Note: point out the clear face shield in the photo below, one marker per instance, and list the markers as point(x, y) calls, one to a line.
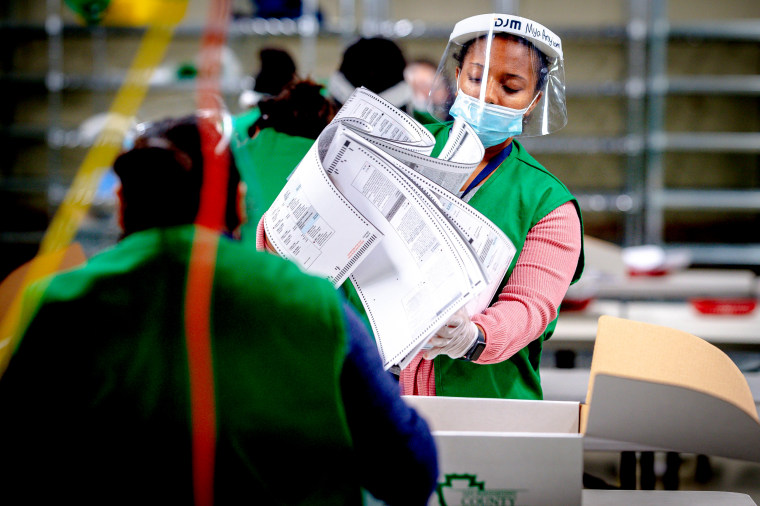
point(503, 75)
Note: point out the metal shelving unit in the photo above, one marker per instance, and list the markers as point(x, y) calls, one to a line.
point(643, 200)
point(660, 85)
point(630, 145)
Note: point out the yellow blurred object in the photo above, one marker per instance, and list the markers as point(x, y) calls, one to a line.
point(99, 157)
point(11, 288)
point(144, 12)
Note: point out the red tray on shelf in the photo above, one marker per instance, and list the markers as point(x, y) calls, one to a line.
point(724, 306)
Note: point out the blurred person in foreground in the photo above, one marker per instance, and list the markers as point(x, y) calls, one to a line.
point(96, 401)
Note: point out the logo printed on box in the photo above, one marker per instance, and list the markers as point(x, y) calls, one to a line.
point(466, 490)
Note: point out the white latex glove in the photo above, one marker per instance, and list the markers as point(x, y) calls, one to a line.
point(454, 338)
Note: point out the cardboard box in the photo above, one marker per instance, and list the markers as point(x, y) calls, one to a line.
point(655, 386)
point(650, 388)
point(496, 451)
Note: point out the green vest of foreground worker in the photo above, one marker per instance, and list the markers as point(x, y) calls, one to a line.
point(265, 162)
point(111, 335)
point(517, 196)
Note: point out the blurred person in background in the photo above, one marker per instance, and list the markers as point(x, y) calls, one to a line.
point(276, 142)
point(420, 74)
point(276, 70)
point(377, 64)
point(273, 145)
point(96, 400)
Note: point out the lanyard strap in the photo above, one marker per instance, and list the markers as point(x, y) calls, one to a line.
point(492, 165)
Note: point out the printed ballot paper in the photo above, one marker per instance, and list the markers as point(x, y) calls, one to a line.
point(368, 203)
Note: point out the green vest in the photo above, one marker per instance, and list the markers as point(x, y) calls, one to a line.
point(102, 378)
point(243, 121)
point(265, 162)
point(517, 196)
point(424, 117)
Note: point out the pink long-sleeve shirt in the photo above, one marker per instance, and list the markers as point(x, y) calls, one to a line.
point(529, 301)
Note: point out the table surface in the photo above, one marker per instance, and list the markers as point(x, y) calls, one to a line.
point(682, 284)
point(581, 326)
point(572, 384)
point(663, 498)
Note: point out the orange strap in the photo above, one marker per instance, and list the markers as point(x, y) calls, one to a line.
point(211, 214)
point(200, 279)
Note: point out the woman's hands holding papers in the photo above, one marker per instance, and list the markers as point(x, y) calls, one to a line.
point(455, 338)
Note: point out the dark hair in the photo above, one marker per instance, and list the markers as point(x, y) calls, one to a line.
point(542, 71)
point(162, 176)
point(375, 63)
point(299, 110)
point(276, 71)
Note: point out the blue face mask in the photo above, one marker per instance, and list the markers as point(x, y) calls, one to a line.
point(494, 124)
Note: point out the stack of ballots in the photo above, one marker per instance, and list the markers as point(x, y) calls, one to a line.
point(369, 203)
